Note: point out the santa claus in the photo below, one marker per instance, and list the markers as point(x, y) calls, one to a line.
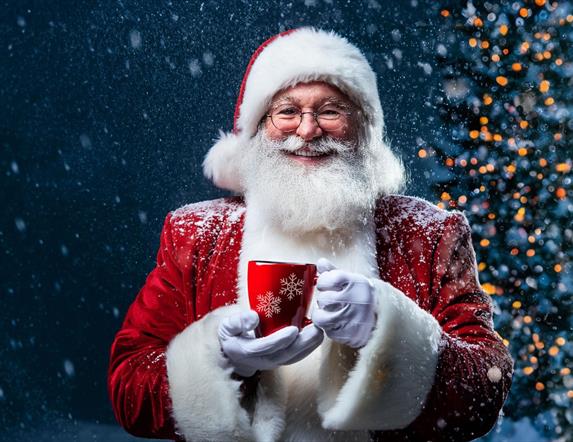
point(402, 345)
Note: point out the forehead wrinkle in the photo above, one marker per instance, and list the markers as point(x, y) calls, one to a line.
point(288, 98)
point(330, 99)
point(338, 101)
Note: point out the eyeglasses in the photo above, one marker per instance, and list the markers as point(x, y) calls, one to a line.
point(329, 118)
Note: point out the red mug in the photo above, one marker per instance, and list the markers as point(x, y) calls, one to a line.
point(280, 293)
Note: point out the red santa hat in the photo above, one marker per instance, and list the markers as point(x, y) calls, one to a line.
point(284, 60)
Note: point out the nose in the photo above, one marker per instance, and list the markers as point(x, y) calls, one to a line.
point(309, 128)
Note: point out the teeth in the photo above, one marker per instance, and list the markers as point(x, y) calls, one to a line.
point(308, 154)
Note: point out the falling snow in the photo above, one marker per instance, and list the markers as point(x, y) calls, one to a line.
point(195, 68)
point(20, 224)
point(69, 368)
point(426, 67)
point(494, 374)
point(85, 141)
point(208, 59)
point(142, 216)
point(135, 39)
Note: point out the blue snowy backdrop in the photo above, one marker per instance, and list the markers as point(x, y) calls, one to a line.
point(108, 108)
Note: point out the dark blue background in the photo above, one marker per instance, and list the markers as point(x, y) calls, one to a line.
point(107, 110)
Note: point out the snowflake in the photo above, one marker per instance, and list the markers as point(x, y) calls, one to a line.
point(291, 286)
point(269, 304)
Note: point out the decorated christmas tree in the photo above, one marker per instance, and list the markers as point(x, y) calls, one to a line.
point(506, 116)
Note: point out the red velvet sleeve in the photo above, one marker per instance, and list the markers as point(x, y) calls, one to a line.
point(137, 376)
point(474, 370)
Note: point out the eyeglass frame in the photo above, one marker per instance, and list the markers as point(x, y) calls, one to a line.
point(314, 114)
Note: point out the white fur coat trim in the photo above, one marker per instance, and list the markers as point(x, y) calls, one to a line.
point(204, 396)
point(384, 385)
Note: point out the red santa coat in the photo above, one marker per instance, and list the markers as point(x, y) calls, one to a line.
point(434, 368)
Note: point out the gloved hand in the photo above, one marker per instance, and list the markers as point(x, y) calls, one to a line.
point(248, 354)
point(346, 305)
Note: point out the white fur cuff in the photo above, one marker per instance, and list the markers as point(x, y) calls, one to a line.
point(205, 398)
point(388, 384)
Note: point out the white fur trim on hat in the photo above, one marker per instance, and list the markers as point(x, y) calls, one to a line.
point(304, 55)
point(221, 165)
point(307, 55)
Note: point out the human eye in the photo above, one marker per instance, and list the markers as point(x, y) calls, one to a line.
point(330, 112)
point(286, 112)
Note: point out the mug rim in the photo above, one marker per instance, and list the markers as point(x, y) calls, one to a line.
point(265, 261)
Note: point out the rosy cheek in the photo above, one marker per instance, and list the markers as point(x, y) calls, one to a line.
point(345, 132)
point(349, 131)
point(275, 134)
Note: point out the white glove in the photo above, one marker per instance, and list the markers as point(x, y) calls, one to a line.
point(248, 354)
point(346, 305)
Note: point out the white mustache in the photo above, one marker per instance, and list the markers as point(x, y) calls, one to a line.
point(320, 146)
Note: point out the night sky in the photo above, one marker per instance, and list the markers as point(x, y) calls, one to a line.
point(107, 110)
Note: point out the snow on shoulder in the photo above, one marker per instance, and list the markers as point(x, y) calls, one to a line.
point(206, 218)
point(416, 213)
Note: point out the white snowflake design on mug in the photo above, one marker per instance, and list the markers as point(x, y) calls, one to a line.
point(291, 286)
point(269, 304)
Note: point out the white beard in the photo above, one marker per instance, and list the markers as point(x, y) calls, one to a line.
point(338, 194)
